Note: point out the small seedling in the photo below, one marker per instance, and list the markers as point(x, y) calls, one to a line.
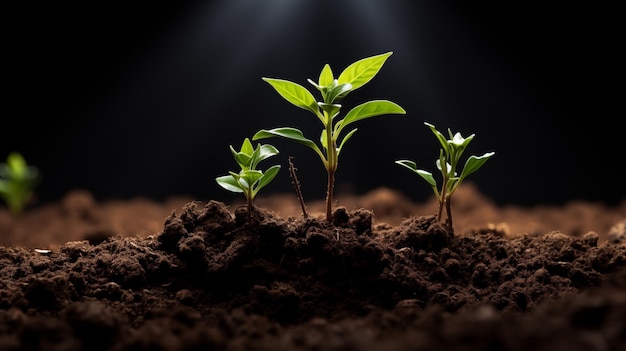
point(249, 180)
point(17, 182)
point(333, 90)
point(449, 156)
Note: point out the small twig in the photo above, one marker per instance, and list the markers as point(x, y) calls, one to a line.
point(296, 185)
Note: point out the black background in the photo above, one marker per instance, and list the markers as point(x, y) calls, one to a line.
point(143, 98)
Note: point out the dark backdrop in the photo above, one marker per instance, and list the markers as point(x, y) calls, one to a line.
point(143, 98)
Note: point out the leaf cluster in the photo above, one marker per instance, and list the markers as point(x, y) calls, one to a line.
point(17, 182)
point(249, 180)
point(332, 91)
point(448, 162)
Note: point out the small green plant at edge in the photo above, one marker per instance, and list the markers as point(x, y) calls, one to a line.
point(333, 90)
point(449, 156)
point(17, 182)
point(249, 180)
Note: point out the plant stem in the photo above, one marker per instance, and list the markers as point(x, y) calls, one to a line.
point(329, 196)
point(443, 198)
point(250, 204)
point(449, 211)
point(331, 150)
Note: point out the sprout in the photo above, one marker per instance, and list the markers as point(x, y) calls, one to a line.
point(249, 180)
point(449, 156)
point(17, 182)
point(333, 90)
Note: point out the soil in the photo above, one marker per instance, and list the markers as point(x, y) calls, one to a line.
point(385, 275)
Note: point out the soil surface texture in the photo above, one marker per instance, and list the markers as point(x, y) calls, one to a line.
point(384, 275)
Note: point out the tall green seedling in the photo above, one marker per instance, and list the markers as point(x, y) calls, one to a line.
point(249, 180)
point(17, 182)
point(327, 110)
point(447, 163)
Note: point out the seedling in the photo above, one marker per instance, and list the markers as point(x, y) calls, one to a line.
point(17, 182)
point(249, 180)
point(333, 90)
point(449, 156)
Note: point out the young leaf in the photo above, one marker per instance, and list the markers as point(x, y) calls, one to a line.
point(267, 151)
point(371, 109)
point(326, 76)
point(250, 176)
point(242, 159)
point(474, 163)
point(267, 177)
point(294, 93)
point(229, 183)
point(350, 133)
point(408, 164)
point(338, 92)
point(246, 147)
point(332, 110)
point(424, 174)
point(17, 181)
point(442, 139)
point(362, 71)
point(286, 132)
point(429, 178)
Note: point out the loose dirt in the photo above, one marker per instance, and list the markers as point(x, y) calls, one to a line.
point(384, 275)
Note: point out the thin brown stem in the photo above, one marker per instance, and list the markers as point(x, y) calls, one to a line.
point(449, 212)
point(296, 185)
point(250, 208)
point(442, 199)
point(329, 196)
point(331, 169)
point(440, 210)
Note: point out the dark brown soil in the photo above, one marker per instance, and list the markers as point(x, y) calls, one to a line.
point(385, 275)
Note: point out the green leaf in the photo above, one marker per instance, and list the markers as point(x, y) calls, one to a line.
point(362, 71)
point(332, 110)
point(442, 139)
point(371, 109)
point(338, 92)
point(17, 164)
point(294, 93)
point(408, 164)
point(267, 177)
point(229, 183)
point(17, 181)
point(250, 176)
point(326, 76)
point(458, 139)
point(285, 132)
point(343, 141)
point(246, 147)
point(242, 159)
point(266, 152)
point(474, 163)
point(428, 177)
point(449, 171)
point(424, 174)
